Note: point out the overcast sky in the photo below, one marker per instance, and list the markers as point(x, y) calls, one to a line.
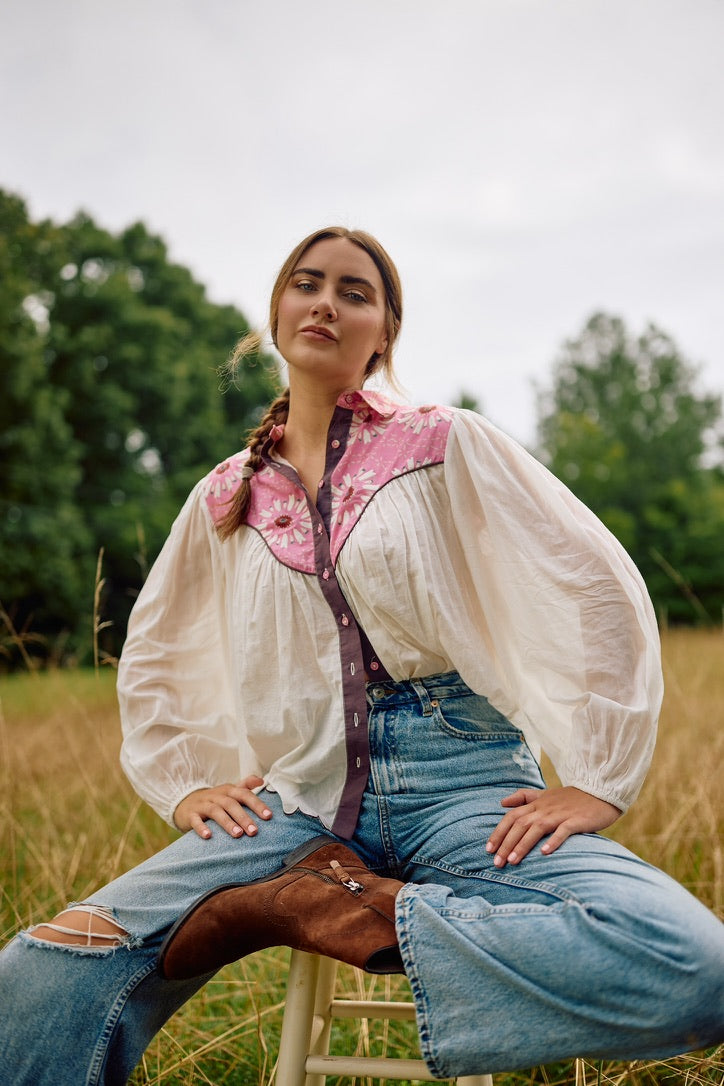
point(525, 162)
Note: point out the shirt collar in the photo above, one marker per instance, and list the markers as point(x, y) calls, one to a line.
point(366, 402)
point(363, 402)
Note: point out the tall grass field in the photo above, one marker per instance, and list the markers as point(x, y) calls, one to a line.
point(71, 822)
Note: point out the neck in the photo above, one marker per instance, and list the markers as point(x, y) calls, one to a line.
point(310, 412)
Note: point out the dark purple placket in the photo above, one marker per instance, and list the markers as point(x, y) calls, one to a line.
point(356, 653)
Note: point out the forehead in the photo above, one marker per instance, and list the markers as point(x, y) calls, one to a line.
point(340, 256)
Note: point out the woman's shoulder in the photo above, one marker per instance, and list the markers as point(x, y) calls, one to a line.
point(220, 484)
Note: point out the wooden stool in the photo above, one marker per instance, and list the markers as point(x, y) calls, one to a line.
point(304, 1058)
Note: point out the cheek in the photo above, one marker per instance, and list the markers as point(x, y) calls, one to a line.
point(286, 316)
point(377, 330)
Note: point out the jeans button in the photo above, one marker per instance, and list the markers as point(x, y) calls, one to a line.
point(378, 691)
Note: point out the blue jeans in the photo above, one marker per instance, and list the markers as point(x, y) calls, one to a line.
point(588, 951)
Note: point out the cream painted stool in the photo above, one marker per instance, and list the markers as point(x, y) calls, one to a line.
point(304, 1058)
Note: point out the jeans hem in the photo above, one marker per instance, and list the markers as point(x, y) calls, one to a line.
point(403, 921)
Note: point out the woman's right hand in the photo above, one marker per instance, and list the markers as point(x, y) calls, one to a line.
point(225, 804)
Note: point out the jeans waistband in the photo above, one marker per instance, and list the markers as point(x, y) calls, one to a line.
point(446, 684)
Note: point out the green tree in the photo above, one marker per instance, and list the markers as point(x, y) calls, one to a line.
point(625, 427)
point(112, 411)
point(39, 457)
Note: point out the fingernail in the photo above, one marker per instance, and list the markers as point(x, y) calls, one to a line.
point(236, 830)
point(489, 847)
point(512, 857)
point(266, 813)
point(251, 830)
point(498, 861)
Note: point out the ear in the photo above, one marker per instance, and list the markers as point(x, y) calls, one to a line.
point(382, 345)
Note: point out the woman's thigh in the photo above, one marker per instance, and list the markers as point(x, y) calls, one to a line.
point(442, 762)
point(150, 897)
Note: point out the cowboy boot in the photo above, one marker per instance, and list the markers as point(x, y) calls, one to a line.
point(323, 900)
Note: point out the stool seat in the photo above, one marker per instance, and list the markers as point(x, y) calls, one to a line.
point(304, 1057)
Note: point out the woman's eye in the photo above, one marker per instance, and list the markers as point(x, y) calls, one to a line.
point(305, 285)
point(355, 296)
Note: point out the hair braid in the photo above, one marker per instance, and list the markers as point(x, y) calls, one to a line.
point(276, 414)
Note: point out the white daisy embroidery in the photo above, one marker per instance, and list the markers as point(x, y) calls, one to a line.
point(350, 496)
point(365, 429)
point(223, 479)
point(286, 522)
point(423, 418)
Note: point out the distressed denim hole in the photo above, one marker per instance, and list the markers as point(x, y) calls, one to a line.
point(82, 926)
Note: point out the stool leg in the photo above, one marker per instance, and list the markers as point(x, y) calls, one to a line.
point(297, 1021)
point(322, 1022)
point(475, 1080)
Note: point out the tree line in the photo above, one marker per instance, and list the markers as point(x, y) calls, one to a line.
point(111, 410)
point(624, 425)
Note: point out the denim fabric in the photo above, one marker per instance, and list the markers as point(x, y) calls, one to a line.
point(588, 951)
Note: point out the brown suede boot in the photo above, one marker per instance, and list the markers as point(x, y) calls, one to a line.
point(323, 900)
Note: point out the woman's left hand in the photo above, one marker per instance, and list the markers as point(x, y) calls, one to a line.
point(540, 812)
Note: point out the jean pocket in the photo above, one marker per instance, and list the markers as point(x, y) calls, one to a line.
point(471, 716)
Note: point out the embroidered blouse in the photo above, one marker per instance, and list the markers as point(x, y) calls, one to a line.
point(436, 543)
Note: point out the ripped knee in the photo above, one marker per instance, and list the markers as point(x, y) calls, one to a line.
point(82, 925)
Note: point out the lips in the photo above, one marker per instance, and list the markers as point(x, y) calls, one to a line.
point(316, 331)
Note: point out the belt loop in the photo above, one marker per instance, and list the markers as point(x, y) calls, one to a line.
point(421, 691)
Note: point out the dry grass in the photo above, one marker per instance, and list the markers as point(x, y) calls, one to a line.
point(71, 822)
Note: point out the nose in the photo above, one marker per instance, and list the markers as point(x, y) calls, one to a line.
point(323, 305)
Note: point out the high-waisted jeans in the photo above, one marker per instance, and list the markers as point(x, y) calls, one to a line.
point(587, 951)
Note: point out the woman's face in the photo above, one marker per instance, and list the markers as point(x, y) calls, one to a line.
point(331, 317)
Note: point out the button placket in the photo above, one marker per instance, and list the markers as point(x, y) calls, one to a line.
point(353, 680)
point(351, 651)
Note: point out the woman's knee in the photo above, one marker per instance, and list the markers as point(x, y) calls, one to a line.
point(84, 926)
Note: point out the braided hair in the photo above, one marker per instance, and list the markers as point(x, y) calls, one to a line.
point(276, 415)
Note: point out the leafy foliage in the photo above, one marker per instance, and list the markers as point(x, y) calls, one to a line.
point(111, 411)
point(624, 426)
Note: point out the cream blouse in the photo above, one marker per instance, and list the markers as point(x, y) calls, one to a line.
point(447, 545)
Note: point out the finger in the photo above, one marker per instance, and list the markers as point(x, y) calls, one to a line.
point(230, 825)
point(518, 798)
point(252, 781)
point(199, 827)
point(509, 844)
point(250, 800)
point(527, 842)
point(503, 828)
point(555, 840)
point(233, 818)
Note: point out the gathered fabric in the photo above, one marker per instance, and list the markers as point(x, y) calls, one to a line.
point(436, 543)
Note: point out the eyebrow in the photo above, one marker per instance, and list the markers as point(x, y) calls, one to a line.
point(343, 278)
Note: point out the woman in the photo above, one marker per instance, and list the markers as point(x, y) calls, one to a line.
point(369, 620)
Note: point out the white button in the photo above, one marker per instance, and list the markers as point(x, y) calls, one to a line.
point(374, 666)
point(325, 574)
point(345, 620)
point(319, 529)
point(335, 444)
